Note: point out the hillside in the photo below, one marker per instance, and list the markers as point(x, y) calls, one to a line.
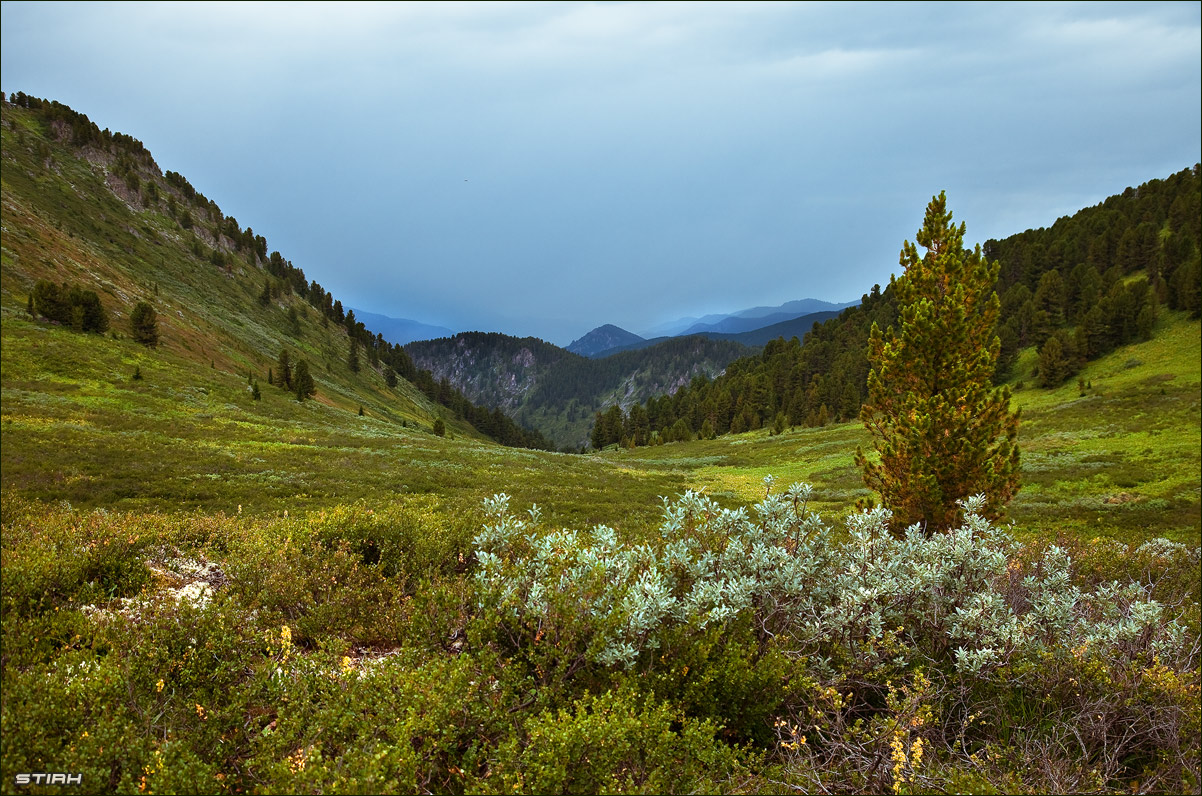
point(1069, 294)
point(92, 209)
point(558, 392)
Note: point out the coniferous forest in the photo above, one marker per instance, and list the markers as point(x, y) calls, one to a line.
point(947, 542)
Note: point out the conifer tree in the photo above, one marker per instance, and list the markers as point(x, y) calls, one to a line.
point(144, 324)
point(942, 433)
point(302, 381)
point(285, 369)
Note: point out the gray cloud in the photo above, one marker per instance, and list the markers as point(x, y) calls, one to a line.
point(545, 168)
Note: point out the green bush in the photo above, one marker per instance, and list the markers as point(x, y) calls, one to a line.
point(617, 742)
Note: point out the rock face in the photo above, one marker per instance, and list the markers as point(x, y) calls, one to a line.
point(603, 338)
point(557, 391)
point(498, 370)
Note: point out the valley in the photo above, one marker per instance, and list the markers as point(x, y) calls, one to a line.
point(369, 614)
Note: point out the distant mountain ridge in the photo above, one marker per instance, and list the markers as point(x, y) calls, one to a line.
point(754, 338)
point(400, 330)
point(721, 322)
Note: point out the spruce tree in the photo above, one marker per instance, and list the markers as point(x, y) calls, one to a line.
point(144, 324)
point(285, 369)
point(941, 432)
point(302, 381)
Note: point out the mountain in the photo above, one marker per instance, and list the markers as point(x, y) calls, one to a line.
point(603, 338)
point(89, 214)
point(401, 330)
point(795, 308)
point(725, 323)
point(793, 327)
point(558, 391)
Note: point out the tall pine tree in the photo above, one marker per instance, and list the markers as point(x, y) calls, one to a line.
point(302, 381)
point(285, 369)
point(942, 433)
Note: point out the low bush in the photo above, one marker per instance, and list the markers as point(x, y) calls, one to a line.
point(902, 638)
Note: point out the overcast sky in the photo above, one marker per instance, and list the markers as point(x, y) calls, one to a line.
point(544, 169)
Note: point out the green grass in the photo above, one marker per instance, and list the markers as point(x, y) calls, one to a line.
point(1121, 462)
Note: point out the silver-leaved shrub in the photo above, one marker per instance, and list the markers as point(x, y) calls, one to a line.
point(867, 595)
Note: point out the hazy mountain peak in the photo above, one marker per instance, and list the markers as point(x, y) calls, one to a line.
point(603, 338)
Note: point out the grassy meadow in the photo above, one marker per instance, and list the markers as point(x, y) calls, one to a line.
point(353, 536)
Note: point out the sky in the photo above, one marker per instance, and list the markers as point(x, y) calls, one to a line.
point(543, 169)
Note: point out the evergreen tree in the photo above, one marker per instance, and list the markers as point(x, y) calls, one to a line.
point(285, 369)
point(254, 391)
point(598, 435)
point(144, 324)
point(942, 433)
point(1056, 361)
point(302, 381)
point(352, 359)
point(49, 302)
point(440, 428)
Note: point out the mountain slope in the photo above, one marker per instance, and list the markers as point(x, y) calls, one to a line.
point(91, 208)
point(1069, 294)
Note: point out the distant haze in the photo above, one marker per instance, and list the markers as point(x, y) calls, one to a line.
point(543, 169)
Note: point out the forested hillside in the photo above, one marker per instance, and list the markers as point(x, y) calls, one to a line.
point(1073, 291)
point(558, 392)
point(90, 219)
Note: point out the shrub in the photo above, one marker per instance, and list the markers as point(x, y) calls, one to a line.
point(958, 615)
point(617, 742)
point(70, 305)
